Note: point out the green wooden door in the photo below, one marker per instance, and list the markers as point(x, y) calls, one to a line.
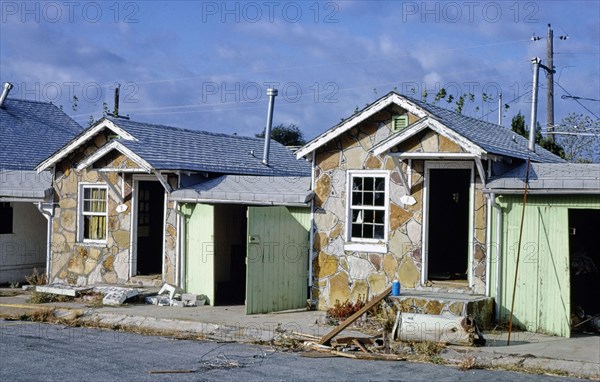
point(277, 259)
point(199, 254)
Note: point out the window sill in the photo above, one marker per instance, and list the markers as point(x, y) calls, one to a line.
point(92, 244)
point(366, 247)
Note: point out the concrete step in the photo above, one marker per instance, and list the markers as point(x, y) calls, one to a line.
point(145, 281)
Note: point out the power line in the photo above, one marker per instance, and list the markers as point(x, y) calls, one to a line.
point(509, 102)
point(577, 100)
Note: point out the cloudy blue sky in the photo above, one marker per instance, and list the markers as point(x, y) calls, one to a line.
point(206, 65)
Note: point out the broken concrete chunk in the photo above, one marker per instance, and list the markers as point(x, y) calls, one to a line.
point(116, 295)
point(189, 299)
point(114, 298)
point(158, 300)
point(172, 289)
point(61, 289)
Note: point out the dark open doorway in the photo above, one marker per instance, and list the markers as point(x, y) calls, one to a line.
point(230, 254)
point(584, 261)
point(150, 227)
point(448, 217)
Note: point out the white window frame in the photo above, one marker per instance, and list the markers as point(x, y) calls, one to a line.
point(363, 244)
point(81, 213)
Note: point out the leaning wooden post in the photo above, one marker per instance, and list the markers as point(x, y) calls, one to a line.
point(327, 338)
point(512, 304)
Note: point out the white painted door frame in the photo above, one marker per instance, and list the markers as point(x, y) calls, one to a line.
point(425, 228)
point(136, 178)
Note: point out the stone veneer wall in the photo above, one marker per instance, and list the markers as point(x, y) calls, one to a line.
point(80, 263)
point(170, 255)
point(344, 275)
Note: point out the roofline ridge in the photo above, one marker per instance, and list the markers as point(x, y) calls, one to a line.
point(32, 101)
point(116, 121)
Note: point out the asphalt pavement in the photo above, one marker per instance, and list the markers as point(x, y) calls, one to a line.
point(43, 352)
point(577, 356)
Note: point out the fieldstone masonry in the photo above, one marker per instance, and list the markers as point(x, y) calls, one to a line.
point(341, 275)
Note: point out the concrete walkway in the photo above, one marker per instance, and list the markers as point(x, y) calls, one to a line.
point(578, 356)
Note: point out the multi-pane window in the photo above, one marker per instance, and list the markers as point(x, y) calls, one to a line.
point(368, 195)
point(93, 213)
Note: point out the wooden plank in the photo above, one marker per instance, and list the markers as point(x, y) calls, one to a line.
point(360, 346)
point(326, 339)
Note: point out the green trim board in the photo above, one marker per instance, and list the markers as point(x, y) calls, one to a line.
point(199, 252)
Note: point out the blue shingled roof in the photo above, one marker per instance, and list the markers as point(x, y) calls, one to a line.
point(30, 131)
point(172, 148)
point(491, 137)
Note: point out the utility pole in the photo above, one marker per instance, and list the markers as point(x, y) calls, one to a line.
point(550, 78)
point(550, 84)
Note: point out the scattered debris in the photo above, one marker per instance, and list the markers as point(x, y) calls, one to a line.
point(175, 298)
point(158, 300)
point(172, 289)
point(585, 322)
point(62, 289)
point(189, 299)
point(445, 328)
point(116, 295)
point(327, 338)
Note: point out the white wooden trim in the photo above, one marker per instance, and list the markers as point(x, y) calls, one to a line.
point(411, 130)
point(481, 171)
point(164, 181)
point(112, 187)
point(433, 124)
point(79, 233)
point(114, 145)
point(123, 170)
point(403, 176)
point(425, 228)
point(81, 139)
point(366, 247)
point(348, 235)
point(164, 236)
point(377, 106)
point(432, 156)
point(136, 178)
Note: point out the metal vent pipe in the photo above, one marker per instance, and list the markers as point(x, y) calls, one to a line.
point(272, 93)
point(5, 91)
point(534, 98)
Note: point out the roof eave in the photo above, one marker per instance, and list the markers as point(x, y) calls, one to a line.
point(82, 138)
point(347, 124)
point(438, 127)
point(115, 145)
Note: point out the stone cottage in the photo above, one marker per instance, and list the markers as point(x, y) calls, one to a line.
point(399, 195)
point(114, 220)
